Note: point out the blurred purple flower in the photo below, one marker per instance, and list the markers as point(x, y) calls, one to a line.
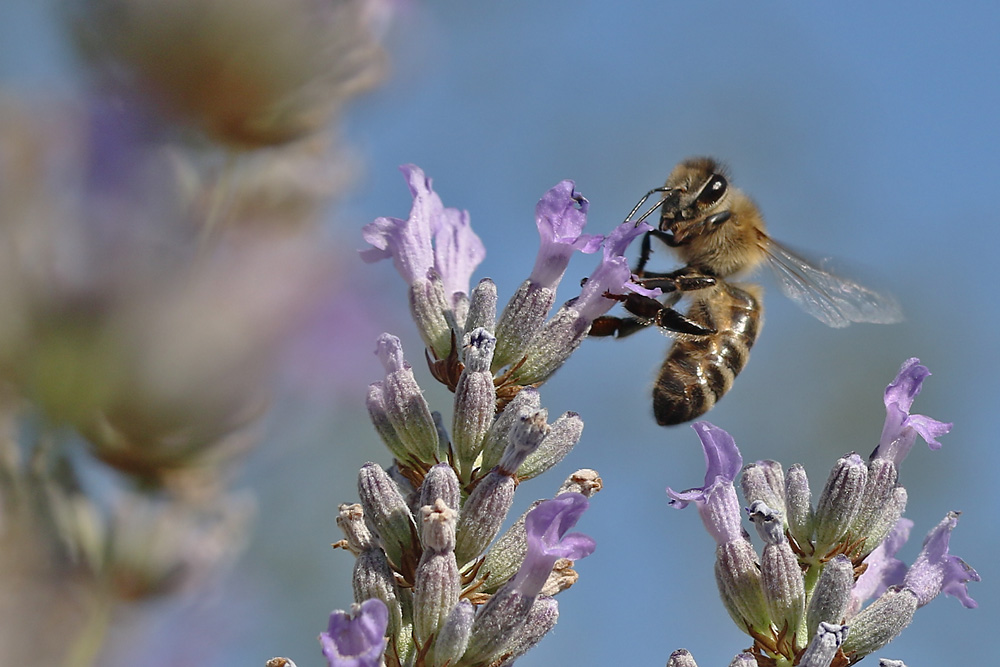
point(560, 215)
point(356, 639)
point(716, 501)
point(249, 73)
point(432, 237)
point(901, 428)
point(548, 541)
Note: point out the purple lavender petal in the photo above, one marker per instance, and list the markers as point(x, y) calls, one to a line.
point(901, 428)
point(356, 639)
point(935, 571)
point(457, 250)
point(716, 501)
point(612, 275)
point(560, 215)
point(545, 528)
point(407, 242)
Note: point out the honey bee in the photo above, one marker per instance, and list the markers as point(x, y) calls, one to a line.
point(718, 232)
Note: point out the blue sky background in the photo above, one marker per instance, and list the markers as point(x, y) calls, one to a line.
point(865, 131)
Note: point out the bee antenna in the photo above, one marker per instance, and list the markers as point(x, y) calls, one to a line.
point(643, 201)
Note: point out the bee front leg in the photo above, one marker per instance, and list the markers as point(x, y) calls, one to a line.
point(646, 250)
point(677, 281)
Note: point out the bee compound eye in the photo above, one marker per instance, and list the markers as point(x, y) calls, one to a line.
point(713, 190)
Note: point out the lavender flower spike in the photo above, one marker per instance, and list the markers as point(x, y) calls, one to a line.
point(716, 500)
point(356, 639)
point(901, 428)
point(455, 253)
point(560, 215)
point(935, 571)
point(548, 541)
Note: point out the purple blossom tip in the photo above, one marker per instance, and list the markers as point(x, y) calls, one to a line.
point(356, 639)
point(546, 529)
point(935, 571)
point(560, 216)
point(723, 462)
point(901, 428)
point(432, 237)
point(613, 275)
point(716, 501)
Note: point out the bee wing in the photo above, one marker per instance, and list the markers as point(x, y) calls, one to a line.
point(833, 300)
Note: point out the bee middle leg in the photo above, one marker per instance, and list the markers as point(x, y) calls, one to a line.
point(646, 311)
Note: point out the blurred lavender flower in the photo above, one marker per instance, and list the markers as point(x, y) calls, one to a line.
point(250, 73)
point(803, 600)
point(111, 321)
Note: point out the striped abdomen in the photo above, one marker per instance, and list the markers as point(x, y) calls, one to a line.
point(699, 370)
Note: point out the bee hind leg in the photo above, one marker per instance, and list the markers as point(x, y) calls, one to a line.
point(619, 327)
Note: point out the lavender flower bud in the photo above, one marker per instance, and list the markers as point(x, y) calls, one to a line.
point(552, 346)
point(351, 520)
point(880, 622)
point(681, 658)
point(475, 401)
point(524, 438)
point(784, 586)
point(744, 660)
point(387, 514)
point(767, 521)
point(823, 647)
point(798, 504)
point(840, 501)
point(737, 573)
point(832, 595)
point(482, 307)
point(483, 514)
point(405, 406)
point(765, 481)
point(526, 402)
point(886, 520)
point(373, 578)
point(440, 482)
point(428, 306)
point(542, 618)
point(584, 481)
point(882, 477)
point(886, 662)
point(437, 583)
point(522, 318)
point(383, 425)
point(453, 638)
point(496, 624)
point(561, 438)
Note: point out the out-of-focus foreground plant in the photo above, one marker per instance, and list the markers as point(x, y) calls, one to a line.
point(158, 250)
